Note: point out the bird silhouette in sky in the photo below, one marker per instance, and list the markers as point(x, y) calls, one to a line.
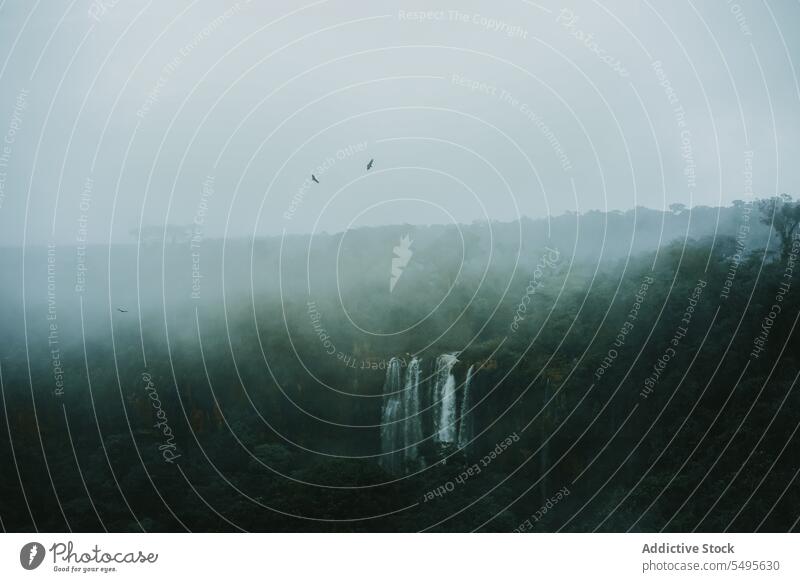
point(122, 310)
point(314, 178)
point(369, 165)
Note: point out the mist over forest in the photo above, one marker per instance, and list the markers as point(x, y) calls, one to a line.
point(386, 267)
point(306, 383)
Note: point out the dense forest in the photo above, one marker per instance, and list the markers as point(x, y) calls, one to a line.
point(619, 371)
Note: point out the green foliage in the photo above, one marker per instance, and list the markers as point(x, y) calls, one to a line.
point(277, 434)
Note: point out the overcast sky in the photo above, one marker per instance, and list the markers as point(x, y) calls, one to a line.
point(116, 114)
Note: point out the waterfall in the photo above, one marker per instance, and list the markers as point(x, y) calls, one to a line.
point(401, 425)
point(465, 427)
point(412, 430)
point(389, 428)
point(401, 428)
point(444, 399)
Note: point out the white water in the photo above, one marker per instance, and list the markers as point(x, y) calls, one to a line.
point(389, 428)
point(466, 425)
point(401, 422)
point(401, 428)
point(412, 429)
point(444, 399)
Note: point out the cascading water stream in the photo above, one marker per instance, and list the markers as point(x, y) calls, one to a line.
point(401, 428)
point(389, 427)
point(444, 399)
point(401, 421)
point(413, 425)
point(466, 424)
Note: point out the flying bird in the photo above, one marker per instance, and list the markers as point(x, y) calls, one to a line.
point(314, 178)
point(122, 310)
point(369, 165)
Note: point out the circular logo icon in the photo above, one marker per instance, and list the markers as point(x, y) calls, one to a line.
point(31, 555)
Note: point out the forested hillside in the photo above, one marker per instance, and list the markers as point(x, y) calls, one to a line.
point(610, 371)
